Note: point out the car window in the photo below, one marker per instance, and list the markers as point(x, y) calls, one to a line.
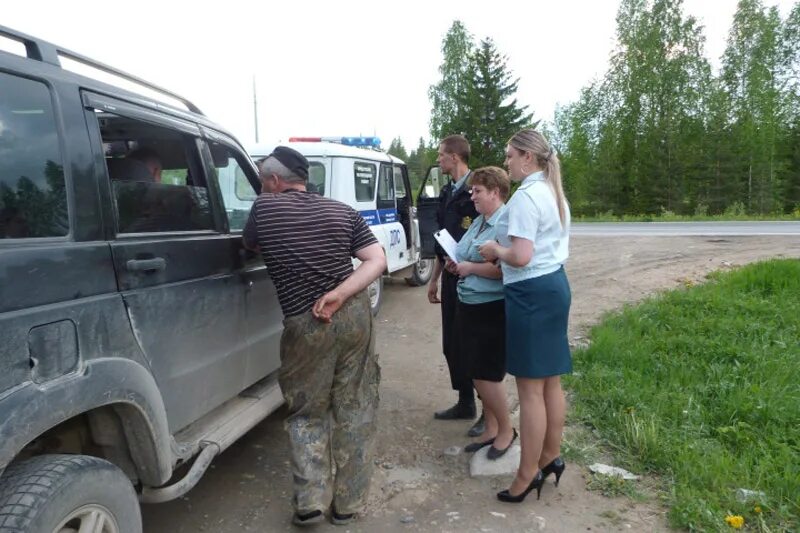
point(237, 192)
point(434, 182)
point(399, 184)
point(156, 177)
point(316, 177)
point(386, 188)
point(33, 199)
point(243, 189)
point(364, 174)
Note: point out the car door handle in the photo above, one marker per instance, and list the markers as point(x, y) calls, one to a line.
point(146, 265)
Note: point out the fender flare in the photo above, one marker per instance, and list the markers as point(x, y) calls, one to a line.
point(31, 409)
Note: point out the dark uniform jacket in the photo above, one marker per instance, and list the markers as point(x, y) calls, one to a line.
point(456, 212)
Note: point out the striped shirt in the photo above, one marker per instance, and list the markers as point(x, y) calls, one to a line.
point(307, 242)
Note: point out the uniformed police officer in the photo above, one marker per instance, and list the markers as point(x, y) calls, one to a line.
point(455, 214)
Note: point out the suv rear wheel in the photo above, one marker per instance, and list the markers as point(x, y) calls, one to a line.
point(67, 494)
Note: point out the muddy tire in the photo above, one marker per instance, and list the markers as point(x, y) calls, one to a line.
point(67, 493)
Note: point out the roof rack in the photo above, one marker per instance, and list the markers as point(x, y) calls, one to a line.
point(46, 52)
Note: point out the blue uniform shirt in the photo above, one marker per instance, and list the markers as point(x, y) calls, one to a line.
point(476, 289)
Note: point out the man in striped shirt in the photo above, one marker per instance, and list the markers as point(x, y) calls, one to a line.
point(329, 371)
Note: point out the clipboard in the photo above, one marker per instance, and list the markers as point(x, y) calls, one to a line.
point(447, 243)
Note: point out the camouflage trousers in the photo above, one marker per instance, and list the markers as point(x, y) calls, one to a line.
point(329, 376)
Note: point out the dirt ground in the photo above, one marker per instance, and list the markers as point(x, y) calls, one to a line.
point(416, 487)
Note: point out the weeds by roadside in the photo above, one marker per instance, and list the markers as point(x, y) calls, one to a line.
point(735, 212)
point(612, 486)
point(702, 386)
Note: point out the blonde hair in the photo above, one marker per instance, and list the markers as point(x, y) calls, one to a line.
point(493, 178)
point(532, 141)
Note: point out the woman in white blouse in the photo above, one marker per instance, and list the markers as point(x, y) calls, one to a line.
point(532, 245)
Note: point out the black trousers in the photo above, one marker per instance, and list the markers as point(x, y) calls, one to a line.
point(459, 375)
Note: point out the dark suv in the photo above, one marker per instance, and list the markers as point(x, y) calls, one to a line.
point(135, 332)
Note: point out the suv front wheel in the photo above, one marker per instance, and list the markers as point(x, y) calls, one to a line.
point(65, 494)
point(421, 274)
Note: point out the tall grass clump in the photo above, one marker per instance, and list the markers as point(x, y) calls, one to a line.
point(702, 387)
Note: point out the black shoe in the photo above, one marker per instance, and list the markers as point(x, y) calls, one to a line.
point(306, 519)
point(538, 481)
point(459, 411)
point(478, 427)
point(341, 519)
point(556, 467)
point(494, 453)
point(475, 446)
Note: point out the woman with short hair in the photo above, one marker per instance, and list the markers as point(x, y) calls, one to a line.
point(480, 315)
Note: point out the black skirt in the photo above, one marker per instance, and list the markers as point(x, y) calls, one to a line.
point(482, 339)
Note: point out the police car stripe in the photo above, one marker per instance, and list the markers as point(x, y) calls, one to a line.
point(374, 217)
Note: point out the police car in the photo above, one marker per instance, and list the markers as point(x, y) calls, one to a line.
point(376, 184)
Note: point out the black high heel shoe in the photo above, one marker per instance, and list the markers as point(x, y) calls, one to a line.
point(556, 467)
point(494, 453)
point(538, 481)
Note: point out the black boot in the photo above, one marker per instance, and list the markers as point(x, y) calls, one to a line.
point(478, 427)
point(457, 412)
point(463, 410)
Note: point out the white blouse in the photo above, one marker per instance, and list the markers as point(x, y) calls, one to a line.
point(532, 214)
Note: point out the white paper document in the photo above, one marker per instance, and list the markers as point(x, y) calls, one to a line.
point(447, 243)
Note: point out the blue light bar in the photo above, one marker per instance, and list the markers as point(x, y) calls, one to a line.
point(372, 142)
point(361, 141)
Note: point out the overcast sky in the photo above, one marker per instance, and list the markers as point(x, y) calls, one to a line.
point(339, 67)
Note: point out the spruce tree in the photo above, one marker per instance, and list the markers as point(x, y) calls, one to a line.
point(491, 113)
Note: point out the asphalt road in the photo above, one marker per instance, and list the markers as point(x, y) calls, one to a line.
point(673, 229)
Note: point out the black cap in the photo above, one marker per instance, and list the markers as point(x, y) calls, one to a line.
point(291, 159)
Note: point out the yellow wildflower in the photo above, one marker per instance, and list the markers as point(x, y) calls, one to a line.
point(735, 521)
point(757, 509)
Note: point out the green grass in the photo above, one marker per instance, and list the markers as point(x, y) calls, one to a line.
point(701, 386)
